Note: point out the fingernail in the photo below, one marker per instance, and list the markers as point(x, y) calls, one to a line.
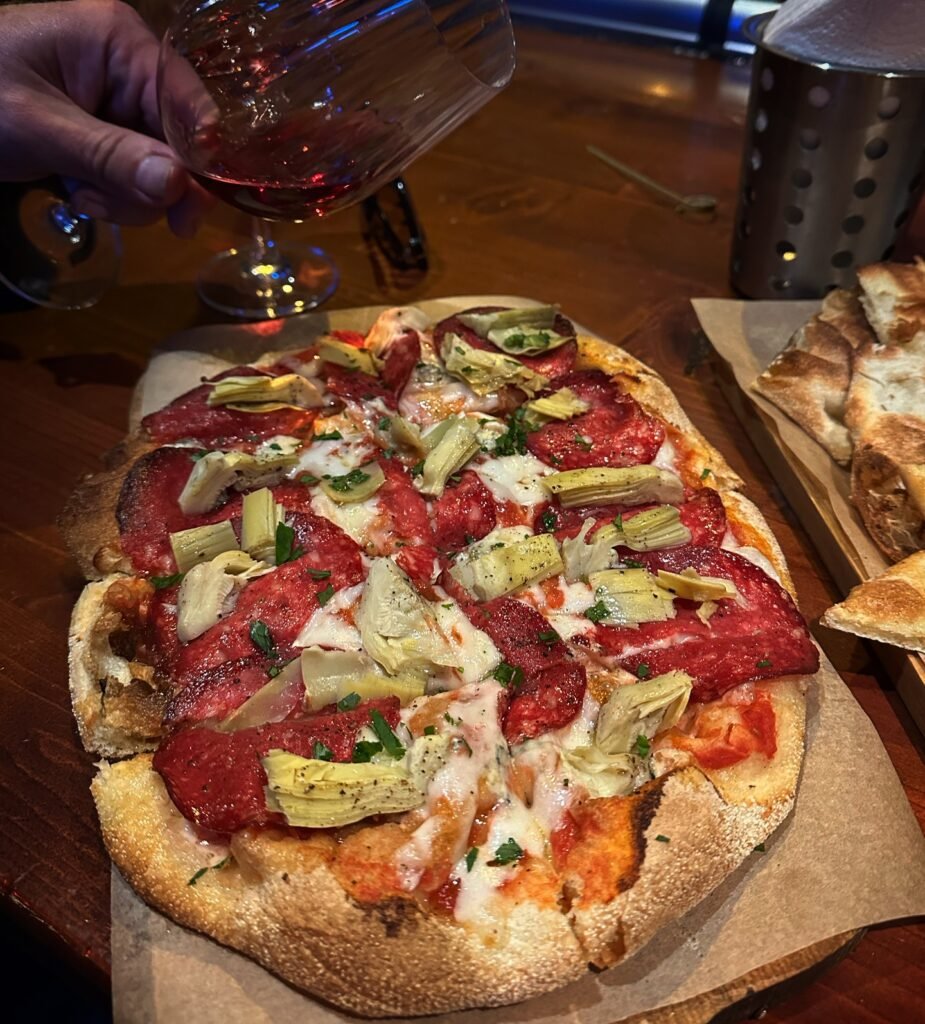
point(154, 174)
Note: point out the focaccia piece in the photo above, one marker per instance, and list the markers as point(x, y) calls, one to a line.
point(893, 296)
point(889, 607)
point(809, 379)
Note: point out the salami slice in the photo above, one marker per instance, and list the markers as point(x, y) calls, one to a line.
point(355, 386)
point(622, 435)
point(761, 638)
point(553, 365)
point(553, 685)
point(191, 417)
point(216, 780)
point(463, 513)
point(399, 360)
point(403, 506)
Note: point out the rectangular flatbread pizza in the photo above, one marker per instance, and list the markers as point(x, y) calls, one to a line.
point(432, 666)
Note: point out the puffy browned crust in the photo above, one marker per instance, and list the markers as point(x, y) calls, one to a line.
point(88, 520)
point(651, 391)
point(893, 296)
point(117, 701)
point(279, 902)
point(890, 607)
point(751, 529)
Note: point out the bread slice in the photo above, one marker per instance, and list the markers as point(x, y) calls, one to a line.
point(809, 379)
point(889, 607)
point(893, 296)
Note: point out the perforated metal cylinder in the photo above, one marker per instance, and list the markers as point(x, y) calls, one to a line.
point(834, 163)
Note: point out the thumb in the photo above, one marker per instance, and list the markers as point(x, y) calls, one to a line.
point(116, 161)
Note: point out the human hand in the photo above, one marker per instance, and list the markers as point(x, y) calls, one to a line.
point(78, 81)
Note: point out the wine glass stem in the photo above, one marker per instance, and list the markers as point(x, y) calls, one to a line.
point(263, 255)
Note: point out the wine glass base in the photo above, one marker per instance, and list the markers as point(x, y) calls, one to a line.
point(298, 278)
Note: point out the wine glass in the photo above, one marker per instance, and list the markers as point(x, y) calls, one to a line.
point(51, 255)
point(290, 109)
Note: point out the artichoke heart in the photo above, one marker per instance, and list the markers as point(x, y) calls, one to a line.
point(271, 703)
point(357, 485)
point(486, 372)
point(407, 435)
point(560, 405)
point(509, 568)
point(326, 794)
point(397, 626)
point(329, 676)
point(605, 485)
point(216, 471)
point(201, 599)
point(631, 596)
point(655, 528)
point(691, 585)
point(340, 353)
point(602, 775)
point(266, 394)
point(584, 555)
point(641, 709)
point(428, 754)
point(202, 544)
point(260, 517)
point(454, 449)
point(518, 331)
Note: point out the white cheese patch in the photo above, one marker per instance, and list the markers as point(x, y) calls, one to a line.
point(334, 458)
point(666, 457)
point(476, 654)
point(355, 518)
point(752, 554)
point(515, 478)
point(565, 613)
point(432, 395)
point(330, 626)
point(281, 444)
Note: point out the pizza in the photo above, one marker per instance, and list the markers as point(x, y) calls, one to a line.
point(435, 664)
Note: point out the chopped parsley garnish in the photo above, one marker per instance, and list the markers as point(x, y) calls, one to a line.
point(262, 637)
point(322, 752)
point(764, 663)
point(507, 675)
point(308, 479)
point(631, 563)
point(430, 730)
point(514, 440)
point(447, 604)
point(388, 453)
point(707, 472)
point(274, 670)
point(548, 636)
point(418, 468)
point(331, 435)
point(386, 737)
point(447, 717)
point(325, 595)
point(384, 423)
point(274, 446)
point(163, 582)
point(662, 839)
point(460, 742)
point(618, 520)
point(642, 670)
point(319, 574)
point(471, 858)
point(469, 539)
point(760, 848)
point(349, 702)
point(347, 482)
point(548, 521)
point(196, 456)
point(364, 750)
point(642, 746)
point(252, 437)
point(286, 551)
point(597, 611)
point(507, 853)
point(583, 443)
point(209, 867)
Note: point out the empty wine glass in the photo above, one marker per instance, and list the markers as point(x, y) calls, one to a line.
point(296, 109)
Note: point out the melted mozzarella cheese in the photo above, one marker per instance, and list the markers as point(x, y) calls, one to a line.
point(355, 518)
point(515, 478)
point(475, 652)
point(565, 611)
point(282, 444)
point(752, 554)
point(666, 457)
point(334, 458)
point(332, 626)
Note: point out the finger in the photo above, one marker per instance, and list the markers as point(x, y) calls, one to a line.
point(104, 207)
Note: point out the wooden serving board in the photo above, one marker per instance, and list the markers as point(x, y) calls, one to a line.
point(814, 485)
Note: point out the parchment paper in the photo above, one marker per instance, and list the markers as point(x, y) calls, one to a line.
point(850, 855)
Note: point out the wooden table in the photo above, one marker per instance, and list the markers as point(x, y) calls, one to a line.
point(511, 203)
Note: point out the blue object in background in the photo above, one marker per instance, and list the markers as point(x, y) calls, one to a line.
point(681, 22)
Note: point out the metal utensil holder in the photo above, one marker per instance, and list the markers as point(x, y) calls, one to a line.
point(834, 163)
